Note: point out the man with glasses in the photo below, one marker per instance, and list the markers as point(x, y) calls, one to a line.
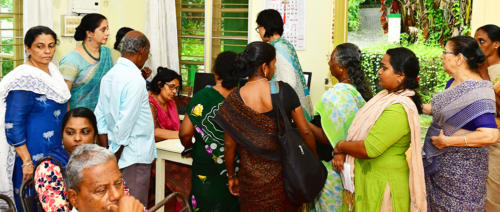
point(124, 119)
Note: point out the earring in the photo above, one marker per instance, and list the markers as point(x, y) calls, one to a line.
point(399, 81)
point(265, 74)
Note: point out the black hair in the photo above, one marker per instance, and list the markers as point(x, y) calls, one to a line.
point(119, 35)
point(163, 76)
point(405, 61)
point(493, 32)
point(348, 56)
point(271, 21)
point(224, 68)
point(89, 22)
point(255, 54)
point(469, 48)
point(83, 113)
point(34, 32)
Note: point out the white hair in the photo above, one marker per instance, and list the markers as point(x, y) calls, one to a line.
point(84, 156)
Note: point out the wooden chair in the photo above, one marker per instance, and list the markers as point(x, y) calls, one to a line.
point(170, 197)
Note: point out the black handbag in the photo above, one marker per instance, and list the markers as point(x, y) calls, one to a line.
point(304, 175)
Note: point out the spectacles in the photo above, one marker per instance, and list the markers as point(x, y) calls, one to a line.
point(448, 52)
point(172, 87)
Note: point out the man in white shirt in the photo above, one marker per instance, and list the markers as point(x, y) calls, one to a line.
point(124, 115)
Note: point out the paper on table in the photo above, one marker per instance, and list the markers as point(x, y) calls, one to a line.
point(347, 178)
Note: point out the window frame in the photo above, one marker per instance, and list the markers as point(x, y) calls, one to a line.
point(18, 46)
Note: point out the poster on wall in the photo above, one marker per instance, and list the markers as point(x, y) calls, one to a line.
point(294, 17)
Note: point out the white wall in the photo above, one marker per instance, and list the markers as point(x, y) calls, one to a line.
point(120, 13)
point(484, 12)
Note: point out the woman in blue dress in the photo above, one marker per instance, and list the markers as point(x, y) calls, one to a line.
point(34, 97)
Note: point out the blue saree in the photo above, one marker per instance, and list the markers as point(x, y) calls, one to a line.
point(455, 177)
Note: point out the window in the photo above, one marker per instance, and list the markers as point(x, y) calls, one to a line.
point(226, 30)
point(11, 35)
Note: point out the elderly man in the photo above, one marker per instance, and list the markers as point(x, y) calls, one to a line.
point(95, 183)
point(124, 115)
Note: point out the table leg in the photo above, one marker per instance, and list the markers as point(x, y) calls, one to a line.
point(160, 181)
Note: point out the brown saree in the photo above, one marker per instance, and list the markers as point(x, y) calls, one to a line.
point(260, 172)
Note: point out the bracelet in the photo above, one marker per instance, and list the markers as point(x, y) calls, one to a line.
point(465, 140)
point(27, 164)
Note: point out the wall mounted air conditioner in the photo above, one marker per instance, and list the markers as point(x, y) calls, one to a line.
point(85, 6)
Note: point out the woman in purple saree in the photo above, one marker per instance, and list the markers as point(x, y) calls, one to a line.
point(456, 144)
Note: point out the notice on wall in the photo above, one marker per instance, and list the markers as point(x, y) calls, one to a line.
point(293, 13)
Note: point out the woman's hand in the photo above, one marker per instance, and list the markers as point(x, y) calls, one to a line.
point(234, 186)
point(27, 170)
point(440, 141)
point(338, 161)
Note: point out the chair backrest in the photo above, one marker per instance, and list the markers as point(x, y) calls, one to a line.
point(170, 197)
point(10, 204)
point(27, 193)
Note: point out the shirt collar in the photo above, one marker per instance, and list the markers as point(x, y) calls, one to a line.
point(127, 62)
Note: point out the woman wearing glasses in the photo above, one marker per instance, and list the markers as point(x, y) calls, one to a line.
point(163, 88)
point(463, 125)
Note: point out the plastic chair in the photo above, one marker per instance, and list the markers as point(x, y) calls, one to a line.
point(10, 203)
point(172, 196)
point(28, 197)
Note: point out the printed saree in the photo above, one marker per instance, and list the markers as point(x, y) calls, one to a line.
point(86, 77)
point(260, 177)
point(288, 70)
point(209, 191)
point(456, 176)
point(337, 109)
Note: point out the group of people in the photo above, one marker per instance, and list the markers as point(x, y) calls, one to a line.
point(97, 122)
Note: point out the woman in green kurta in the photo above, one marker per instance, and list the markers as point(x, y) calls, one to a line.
point(380, 135)
point(209, 190)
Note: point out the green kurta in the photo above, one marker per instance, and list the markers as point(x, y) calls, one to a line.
point(209, 190)
point(386, 144)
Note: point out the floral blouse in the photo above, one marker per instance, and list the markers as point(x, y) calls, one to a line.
point(49, 185)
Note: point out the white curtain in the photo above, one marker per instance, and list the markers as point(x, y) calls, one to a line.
point(161, 30)
point(37, 12)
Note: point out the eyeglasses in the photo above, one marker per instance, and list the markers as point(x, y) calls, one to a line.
point(172, 87)
point(448, 52)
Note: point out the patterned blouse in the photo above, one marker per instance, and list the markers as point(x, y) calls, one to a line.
point(50, 187)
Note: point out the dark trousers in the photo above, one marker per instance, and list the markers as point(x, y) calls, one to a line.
point(137, 178)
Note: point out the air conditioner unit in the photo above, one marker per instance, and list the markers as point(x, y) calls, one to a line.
point(85, 6)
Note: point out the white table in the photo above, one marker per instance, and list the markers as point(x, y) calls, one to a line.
point(167, 150)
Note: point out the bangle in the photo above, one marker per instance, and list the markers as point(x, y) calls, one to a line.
point(465, 140)
point(27, 164)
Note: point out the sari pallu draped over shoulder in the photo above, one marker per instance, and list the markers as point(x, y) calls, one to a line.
point(454, 108)
point(364, 121)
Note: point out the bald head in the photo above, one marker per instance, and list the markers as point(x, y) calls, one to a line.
point(133, 42)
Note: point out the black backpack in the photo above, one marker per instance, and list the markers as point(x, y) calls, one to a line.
point(304, 175)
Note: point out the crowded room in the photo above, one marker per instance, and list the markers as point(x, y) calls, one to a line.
point(249, 105)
